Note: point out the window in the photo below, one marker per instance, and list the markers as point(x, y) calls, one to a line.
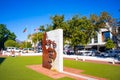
point(105, 36)
point(95, 39)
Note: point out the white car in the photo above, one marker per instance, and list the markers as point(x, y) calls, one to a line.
point(85, 52)
point(28, 50)
point(9, 49)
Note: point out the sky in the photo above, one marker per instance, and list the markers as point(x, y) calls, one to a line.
point(20, 14)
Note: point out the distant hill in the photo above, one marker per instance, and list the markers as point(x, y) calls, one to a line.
point(19, 41)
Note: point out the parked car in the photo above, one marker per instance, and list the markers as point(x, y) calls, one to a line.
point(9, 49)
point(118, 56)
point(38, 50)
point(68, 51)
point(85, 53)
point(110, 53)
point(28, 50)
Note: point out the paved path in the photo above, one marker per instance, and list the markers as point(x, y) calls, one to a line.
point(68, 72)
point(80, 76)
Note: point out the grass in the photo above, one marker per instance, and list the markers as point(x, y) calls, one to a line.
point(109, 72)
point(14, 68)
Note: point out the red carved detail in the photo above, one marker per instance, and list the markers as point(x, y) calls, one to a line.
point(49, 53)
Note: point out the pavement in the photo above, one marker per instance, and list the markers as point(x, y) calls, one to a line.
point(94, 58)
point(67, 72)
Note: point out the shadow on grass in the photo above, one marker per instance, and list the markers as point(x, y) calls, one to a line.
point(2, 60)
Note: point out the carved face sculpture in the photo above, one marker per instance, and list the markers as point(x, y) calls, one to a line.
point(49, 53)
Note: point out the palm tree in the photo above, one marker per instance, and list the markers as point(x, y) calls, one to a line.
point(36, 38)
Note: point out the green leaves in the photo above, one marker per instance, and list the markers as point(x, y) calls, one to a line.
point(57, 21)
point(37, 37)
point(5, 35)
point(10, 43)
point(109, 44)
point(79, 30)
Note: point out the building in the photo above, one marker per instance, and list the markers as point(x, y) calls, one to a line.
point(99, 41)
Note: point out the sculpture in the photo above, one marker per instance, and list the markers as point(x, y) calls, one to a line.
point(49, 53)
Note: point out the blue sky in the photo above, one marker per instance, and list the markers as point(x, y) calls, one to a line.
point(18, 14)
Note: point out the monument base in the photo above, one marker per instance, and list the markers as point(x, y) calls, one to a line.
point(73, 73)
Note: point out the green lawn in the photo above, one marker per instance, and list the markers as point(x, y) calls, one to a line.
point(14, 68)
point(109, 72)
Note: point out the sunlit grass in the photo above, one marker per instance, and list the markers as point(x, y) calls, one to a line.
point(14, 68)
point(109, 72)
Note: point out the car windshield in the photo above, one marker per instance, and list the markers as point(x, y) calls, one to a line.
point(25, 49)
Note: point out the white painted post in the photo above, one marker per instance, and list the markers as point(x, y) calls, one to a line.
point(113, 62)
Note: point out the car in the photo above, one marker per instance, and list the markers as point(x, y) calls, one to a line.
point(9, 49)
point(28, 50)
point(85, 52)
point(68, 50)
point(118, 56)
point(38, 50)
point(110, 53)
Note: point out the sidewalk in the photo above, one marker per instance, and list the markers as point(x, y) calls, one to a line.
point(93, 59)
point(68, 72)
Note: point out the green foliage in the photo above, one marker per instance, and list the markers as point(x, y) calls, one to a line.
point(49, 28)
point(37, 37)
point(41, 28)
point(11, 43)
point(5, 35)
point(57, 21)
point(11, 36)
point(109, 44)
point(78, 30)
point(100, 21)
point(3, 31)
point(25, 45)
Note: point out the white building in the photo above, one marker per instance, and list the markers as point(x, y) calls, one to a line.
point(99, 41)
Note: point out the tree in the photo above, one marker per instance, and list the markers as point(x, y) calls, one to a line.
point(25, 45)
point(57, 21)
point(79, 30)
point(100, 21)
point(10, 43)
point(36, 38)
point(42, 28)
point(76, 31)
point(109, 44)
point(5, 34)
point(106, 21)
point(48, 28)
point(95, 20)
